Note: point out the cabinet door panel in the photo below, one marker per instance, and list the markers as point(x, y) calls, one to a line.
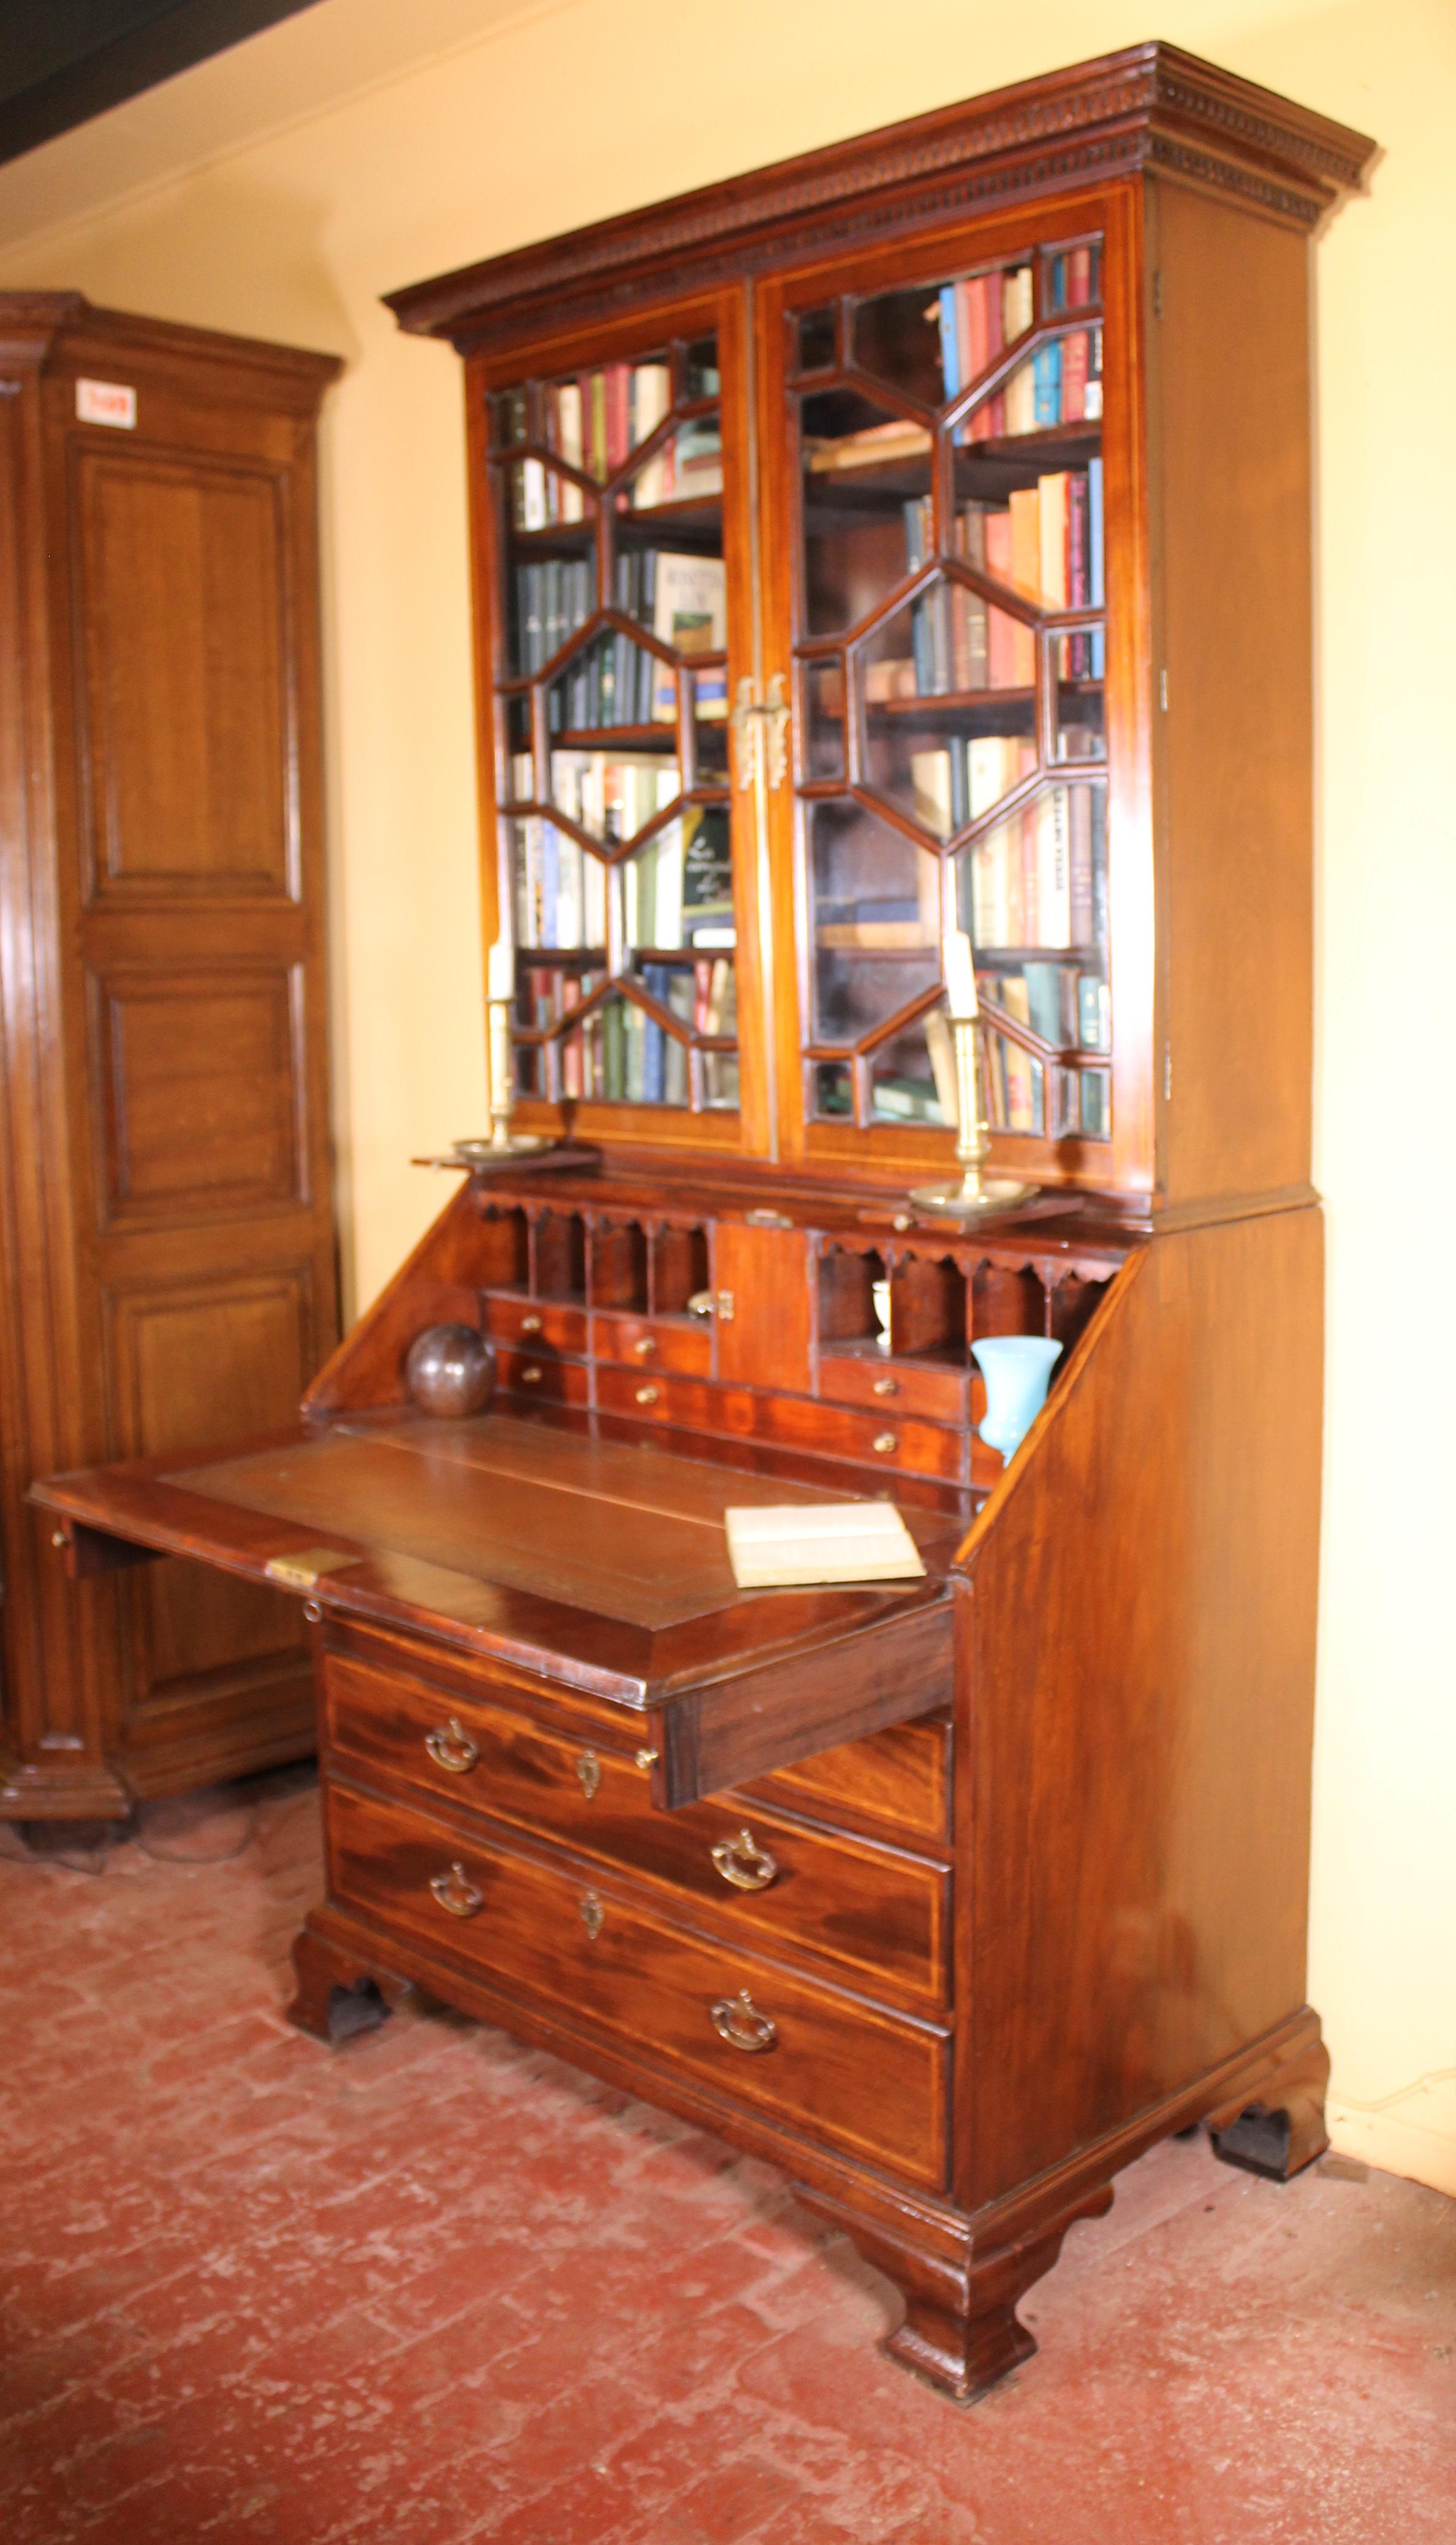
point(186, 723)
point(198, 1081)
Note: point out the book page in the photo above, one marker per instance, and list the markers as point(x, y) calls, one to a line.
point(773, 1545)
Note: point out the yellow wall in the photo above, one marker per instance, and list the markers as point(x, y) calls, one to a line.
point(531, 120)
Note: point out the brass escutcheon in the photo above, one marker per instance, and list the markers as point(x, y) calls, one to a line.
point(593, 1915)
point(744, 1863)
point(457, 1892)
point(452, 1749)
point(588, 1773)
point(737, 2020)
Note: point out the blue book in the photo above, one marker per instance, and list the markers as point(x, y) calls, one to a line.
point(656, 981)
point(1046, 385)
point(1096, 586)
point(949, 342)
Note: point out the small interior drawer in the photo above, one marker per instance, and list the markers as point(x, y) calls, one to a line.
point(543, 1376)
point(894, 1387)
point(654, 1343)
point(537, 1324)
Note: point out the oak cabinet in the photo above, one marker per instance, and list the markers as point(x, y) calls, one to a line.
point(166, 1240)
point(893, 638)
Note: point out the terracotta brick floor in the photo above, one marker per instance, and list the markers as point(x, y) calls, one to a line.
point(435, 2286)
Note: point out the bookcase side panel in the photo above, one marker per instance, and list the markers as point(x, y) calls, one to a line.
point(1231, 394)
point(1138, 1707)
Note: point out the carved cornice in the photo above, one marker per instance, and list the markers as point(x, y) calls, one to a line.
point(1150, 105)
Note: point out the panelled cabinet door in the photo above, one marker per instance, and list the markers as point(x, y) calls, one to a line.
point(945, 434)
point(621, 880)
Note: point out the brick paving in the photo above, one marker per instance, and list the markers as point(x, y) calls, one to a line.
point(435, 2286)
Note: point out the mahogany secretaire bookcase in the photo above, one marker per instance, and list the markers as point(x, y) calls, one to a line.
point(892, 562)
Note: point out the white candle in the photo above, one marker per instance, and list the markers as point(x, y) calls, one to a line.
point(500, 970)
point(960, 975)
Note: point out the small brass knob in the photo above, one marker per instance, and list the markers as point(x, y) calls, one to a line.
point(647, 1395)
point(744, 1863)
point(644, 1346)
point(452, 1749)
point(886, 1387)
point(588, 1773)
point(531, 1375)
point(646, 1758)
point(531, 1324)
point(312, 1612)
point(736, 2020)
point(457, 1892)
point(58, 1537)
point(885, 1444)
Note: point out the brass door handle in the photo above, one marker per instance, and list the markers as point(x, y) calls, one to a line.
point(744, 1863)
point(457, 1892)
point(452, 1749)
point(737, 2020)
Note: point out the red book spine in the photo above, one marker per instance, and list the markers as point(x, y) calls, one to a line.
point(618, 413)
point(1079, 589)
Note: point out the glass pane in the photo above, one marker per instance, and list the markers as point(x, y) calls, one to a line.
point(559, 888)
point(1097, 1104)
point(906, 1083)
point(688, 468)
point(898, 338)
point(613, 795)
point(595, 419)
point(1039, 878)
point(548, 599)
point(824, 717)
point(831, 1090)
point(707, 880)
point(876, 922)
point(942, 746)
point(978, 319)
point(701, 377)
point(864, 472)
point(1080, 728)
point(610, 682)
point(1015, 1093)
point(652, 892)
point(817, 341)
point(947, 642)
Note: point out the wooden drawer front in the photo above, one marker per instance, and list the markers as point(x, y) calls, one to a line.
point(873, 1440)
point(881, 1915)
point(865, 2080)
point(535, 1323)
point(649, 1344)
point(870, 1439)
point(543, 1376)
point(894, 1387)
point(899, 1779)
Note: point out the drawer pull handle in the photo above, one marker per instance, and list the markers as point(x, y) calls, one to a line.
point(531, 1324)
point(530, 1376)
point(593, 1915)
point(588, 1773)
point(744, 1863)
point(885, 1444)
point(457, 1892)
point(648, 1395)
point(737, 2020)
point(646, 1758)
point(644, 1346)
point(886, 1387)
point(452, 1749)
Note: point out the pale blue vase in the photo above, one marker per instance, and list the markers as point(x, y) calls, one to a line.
point(1016, 1369)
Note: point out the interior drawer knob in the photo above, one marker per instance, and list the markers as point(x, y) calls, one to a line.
point(887, 1387)
point(530, 1376)
point(452, 1749)
point(737, 2020)
point(744, 1863)
point(885, 1444)
point(457, 1892)
point(531, 1324)
point(648, 1395)
point(644, 1346)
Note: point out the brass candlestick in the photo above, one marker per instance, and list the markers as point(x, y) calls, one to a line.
point(973, 1197)
point(503, 1143)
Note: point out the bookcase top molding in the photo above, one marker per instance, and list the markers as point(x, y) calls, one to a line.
point(1151, 107)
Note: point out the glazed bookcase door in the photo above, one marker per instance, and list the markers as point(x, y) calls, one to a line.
point(613, 595)
point(953, 430)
